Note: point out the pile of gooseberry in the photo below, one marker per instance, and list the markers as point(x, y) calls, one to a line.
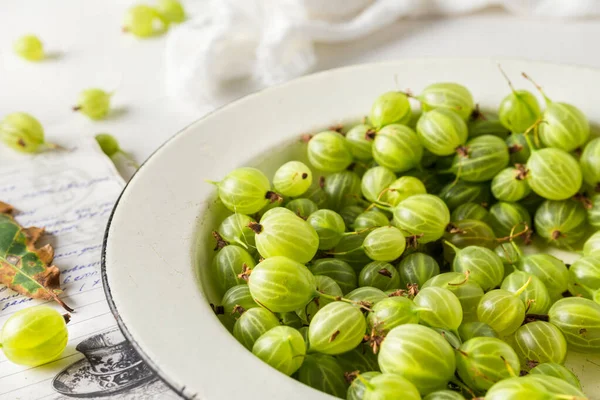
point(396, 262)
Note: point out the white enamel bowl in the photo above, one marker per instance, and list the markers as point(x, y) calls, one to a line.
point(158, 248)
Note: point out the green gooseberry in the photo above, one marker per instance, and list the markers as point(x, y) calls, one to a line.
point(397, 147)
point(481, 159)
point(448, 95)
point(390, 108)
point(561, 223)
point(442, 131)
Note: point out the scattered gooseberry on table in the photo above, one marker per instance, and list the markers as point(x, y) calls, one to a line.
point(23, 132)
point(93, 103)
point(34, 336)
point(110, 146)
point(145, 21)
point(29, 47)
point(171, 10)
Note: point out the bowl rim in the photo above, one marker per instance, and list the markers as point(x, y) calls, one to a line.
point(180, 390)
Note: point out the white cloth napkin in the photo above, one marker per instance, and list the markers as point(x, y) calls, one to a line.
point(233, 47)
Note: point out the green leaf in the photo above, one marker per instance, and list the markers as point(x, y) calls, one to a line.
point(23, 267)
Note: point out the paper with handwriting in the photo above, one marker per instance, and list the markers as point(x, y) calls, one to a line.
point(71, 194)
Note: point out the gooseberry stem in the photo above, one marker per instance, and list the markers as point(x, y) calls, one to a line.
point(515, 93)
point(522, 288)
point(357, 233)
point(538, 87)
point(343, 253)
point(509, 368)
point(364, 382)
point(507, 80)
point(244, 245)
point(514, 246)
point(340, 298)
point(467, 274)
point(384, 191)
point(363, 202)
point(462, 352)
point(388, 208)
point(456, 249)
point(514, 235)
point(508, 255)
point(535, 134)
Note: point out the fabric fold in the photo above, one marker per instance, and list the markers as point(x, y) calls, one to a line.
point(235, 47)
